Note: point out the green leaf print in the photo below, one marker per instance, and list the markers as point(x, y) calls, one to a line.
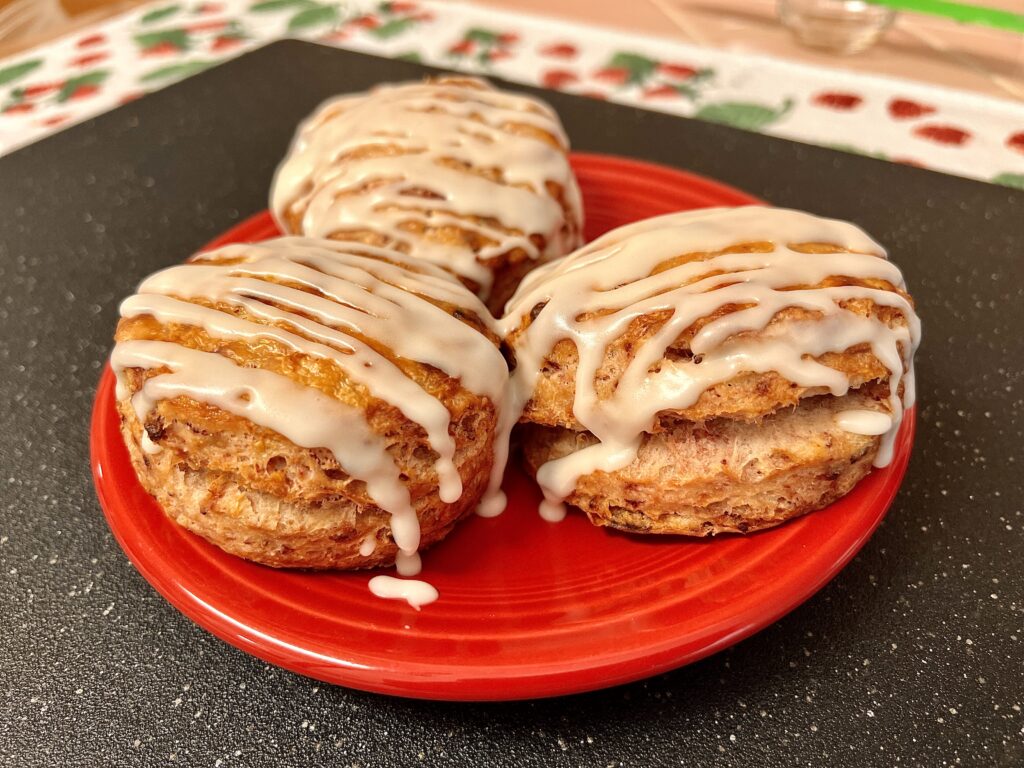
point(89, 80)
point(640, 67)
point(483, 36)
point(1010, 180)
point(176, 71)
point(16, 71)
point(312, 17)
point(172, 37)
point(745, 115)
point(413, 56)
point(159, 14)
point(279, 5)
point(392, 28)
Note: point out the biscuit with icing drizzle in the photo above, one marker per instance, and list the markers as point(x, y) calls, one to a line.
point(450, 170)
point(310, 403)
point(717, 370)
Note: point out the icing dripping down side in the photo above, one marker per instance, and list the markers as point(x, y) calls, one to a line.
point(408, 564)
point(415, 592)
point(592, 297)
point(453, 152)
point(872, 423)
point(864, 422)
point(368, 545)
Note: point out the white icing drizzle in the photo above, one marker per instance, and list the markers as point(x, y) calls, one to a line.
point(416, 593)
point(612, 277)
point(552, 511)
point(864, 422)
point(355, 296)
point(368, 545)
point(464, 120)
point(408, 564)
point(148, 445)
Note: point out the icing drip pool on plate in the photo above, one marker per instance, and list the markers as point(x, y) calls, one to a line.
point(416, 593)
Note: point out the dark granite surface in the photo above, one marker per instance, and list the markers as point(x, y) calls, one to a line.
point(914, 655)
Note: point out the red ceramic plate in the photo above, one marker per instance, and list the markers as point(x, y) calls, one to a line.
point(527, 608)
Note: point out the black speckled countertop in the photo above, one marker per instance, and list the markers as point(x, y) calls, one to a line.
point(913, 656)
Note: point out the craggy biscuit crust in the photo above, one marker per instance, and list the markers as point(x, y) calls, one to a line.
point(256, 494)
point(723, 476)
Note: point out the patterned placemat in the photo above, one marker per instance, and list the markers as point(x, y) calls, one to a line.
point(92, 71)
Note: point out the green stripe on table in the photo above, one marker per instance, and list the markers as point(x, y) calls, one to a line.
point(967, 14)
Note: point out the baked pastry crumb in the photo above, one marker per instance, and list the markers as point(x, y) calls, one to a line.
point(710, 371)
point(310, 404)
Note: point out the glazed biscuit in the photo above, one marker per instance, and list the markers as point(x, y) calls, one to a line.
point(656, 365)
point(308, 403)
point(450, 170)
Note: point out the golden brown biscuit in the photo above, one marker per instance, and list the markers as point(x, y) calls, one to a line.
point(647, 359)
point(723, 475)
point(449, 170)
point(303, 403)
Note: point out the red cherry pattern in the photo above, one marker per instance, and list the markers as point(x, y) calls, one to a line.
point(558, 78)
point(559, 51)
point(837, 100)
point(90, 58)
point(905, 109)
point(462, 47)
point(165, 48)
point(661, 92)
point(83, 91)
point(654, 80)
point(943, 134)
point(369, 21)
point(225, 42)
point(206, 26)
point(677, 71)
point(613, 75)
point(41, 89)
point(91, 40)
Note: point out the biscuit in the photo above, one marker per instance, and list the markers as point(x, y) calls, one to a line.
point(450, 170)
point(307, 403)
point(646, 359)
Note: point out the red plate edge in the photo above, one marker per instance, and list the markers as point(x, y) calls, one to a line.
point(485, 683)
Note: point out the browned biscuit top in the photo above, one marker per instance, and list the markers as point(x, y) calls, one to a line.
point(450, 170)
point(745, 394)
